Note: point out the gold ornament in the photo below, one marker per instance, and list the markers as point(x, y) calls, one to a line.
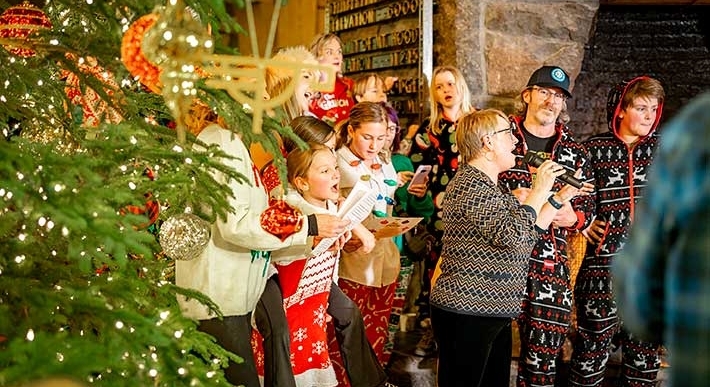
point(175, 43)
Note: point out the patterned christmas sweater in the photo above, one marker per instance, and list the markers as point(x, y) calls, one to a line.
point(567, 152)
point(620, 175)
point(488, 236)
point(438, 149)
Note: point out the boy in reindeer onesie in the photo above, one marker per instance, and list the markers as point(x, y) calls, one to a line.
point(620, 159)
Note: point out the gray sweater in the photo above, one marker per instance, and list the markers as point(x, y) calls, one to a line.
point(488, 238)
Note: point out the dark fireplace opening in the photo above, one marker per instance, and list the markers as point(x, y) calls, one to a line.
point(669, 43)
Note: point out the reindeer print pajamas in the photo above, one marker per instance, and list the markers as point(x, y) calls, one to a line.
point(620, 177)
point(547, 302)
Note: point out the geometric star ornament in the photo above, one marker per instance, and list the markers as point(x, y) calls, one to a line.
point(18, 24)
point(244, 77)
point(178, 45)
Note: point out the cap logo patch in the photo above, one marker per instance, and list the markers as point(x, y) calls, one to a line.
point(558, 75)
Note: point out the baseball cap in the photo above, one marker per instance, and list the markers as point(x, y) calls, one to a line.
point(550, 76)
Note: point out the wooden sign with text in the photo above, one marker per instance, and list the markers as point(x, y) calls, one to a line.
point(384, 36)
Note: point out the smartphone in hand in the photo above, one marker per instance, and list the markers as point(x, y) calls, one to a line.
point(420, 175)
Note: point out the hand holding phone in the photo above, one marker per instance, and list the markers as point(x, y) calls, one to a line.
point(420, 175)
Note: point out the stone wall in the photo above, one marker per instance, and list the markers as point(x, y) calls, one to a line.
point(669, 43)
point(498, 44)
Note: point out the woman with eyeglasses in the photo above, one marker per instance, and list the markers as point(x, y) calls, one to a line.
point(488, 237)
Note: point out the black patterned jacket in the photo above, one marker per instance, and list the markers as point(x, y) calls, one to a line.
point(620, 175)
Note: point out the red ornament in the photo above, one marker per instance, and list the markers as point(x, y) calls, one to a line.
point(96, 110)
point(151, 210)
point(270, 177)
point(20, 23)
point(281, 220)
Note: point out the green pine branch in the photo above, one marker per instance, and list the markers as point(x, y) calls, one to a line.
point(85, 291)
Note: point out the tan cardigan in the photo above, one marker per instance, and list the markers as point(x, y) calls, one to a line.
point(381, 266)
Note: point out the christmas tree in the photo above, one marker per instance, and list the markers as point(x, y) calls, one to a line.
point(91, 167)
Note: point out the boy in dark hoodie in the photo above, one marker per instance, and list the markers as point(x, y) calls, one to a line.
point(620, 159)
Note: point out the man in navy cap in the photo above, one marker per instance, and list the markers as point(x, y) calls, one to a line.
point(547, 302)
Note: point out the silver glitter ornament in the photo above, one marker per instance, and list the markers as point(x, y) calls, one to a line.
point(184, 236)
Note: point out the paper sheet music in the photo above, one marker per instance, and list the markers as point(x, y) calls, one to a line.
point(356, 207)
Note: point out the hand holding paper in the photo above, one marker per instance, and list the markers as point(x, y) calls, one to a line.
point(356, 207)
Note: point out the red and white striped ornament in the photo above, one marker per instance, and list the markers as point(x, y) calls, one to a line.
point(19, 23)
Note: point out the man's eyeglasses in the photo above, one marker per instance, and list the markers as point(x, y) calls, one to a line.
point(547, 93)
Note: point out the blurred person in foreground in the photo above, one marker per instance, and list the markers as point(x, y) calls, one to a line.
point(488, 237)
point(662, 279)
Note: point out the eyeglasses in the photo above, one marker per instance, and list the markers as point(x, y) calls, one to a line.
point(510, 129)
point(547, 93)
point(392, 129)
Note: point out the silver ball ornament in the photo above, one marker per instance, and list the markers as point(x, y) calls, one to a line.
point(183, 237)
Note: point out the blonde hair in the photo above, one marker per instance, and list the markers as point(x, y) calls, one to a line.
point(472, 128)
point(200, 117)
point(299, 161)
point(362, 113)
point(436, 110)
point(277, 79)
point(319, 42)
point(360, 85)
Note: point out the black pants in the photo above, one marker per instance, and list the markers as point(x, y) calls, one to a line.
point(473, 350)
point(271, 321)
point(233, 333)
point(360, 361)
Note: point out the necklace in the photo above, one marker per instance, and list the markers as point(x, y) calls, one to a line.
point(380, 177)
